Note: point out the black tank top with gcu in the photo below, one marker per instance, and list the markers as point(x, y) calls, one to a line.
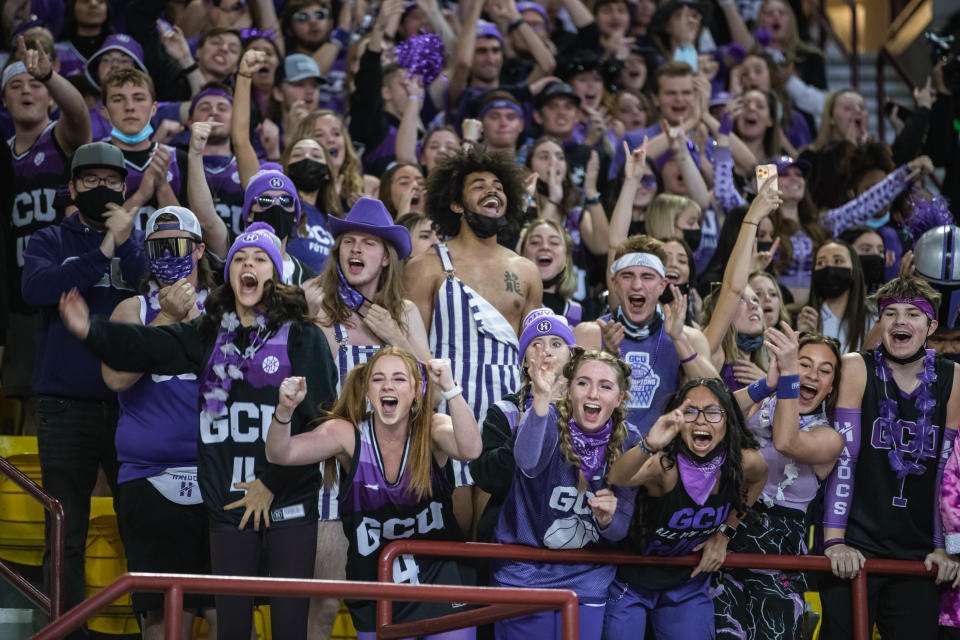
point(890, 518)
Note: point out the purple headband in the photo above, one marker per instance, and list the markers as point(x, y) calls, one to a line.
point(920, 303)
point(212, 91)
point(500, 104)
point(252, 33)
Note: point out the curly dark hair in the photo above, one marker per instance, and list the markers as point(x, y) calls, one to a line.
point(736, 439)
point(445, 186)
point(283, 303)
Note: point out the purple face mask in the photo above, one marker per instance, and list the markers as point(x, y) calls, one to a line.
point(169, 269)
point(350, 296)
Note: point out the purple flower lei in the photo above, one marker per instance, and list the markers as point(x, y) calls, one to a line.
point(906, 463)
point(227, 363)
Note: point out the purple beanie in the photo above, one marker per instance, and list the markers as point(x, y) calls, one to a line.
point(544, 322)
point(488, 30)
point(261, 236)
point(269, 180)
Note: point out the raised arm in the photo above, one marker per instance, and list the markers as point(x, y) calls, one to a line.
point(724, 189)
point(333, 438)
point(456, 435)
point(408, 132)
point(198, 192)
point(537, 435)
point(507, 10)
point(737, 271)
point(247, 162)
point(594, 227)
point(640, 466)
point(73, 127)
point(464, 58)
point(877, 197)
point(619, 225)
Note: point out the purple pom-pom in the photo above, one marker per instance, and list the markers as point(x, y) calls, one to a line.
point(927, 214)
point(736, 52)
point(763, 37)
point(421, 56)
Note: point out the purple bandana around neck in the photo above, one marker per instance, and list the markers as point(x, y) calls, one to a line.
point(350, 295)
point(590, 446)
point(699, 479)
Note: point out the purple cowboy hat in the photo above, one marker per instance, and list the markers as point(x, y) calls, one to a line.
point(371, 216)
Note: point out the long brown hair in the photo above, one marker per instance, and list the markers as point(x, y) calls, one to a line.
point(282, 303)
point(568, 283)
point(827, 131)
point(352, 407)
point(390, 289)
point(834, 346)
point(571, 194)
point(352, 170)
point(855, 315)
point(618, 418)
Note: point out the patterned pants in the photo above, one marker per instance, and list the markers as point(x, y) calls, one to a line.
point(763, 605)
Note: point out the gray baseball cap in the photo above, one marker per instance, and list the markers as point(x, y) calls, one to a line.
point(298, 66)
point(98, 154)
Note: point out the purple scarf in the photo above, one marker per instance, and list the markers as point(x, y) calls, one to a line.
point(590, 446)
point(699, 479)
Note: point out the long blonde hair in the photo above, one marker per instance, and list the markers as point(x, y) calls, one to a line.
point(352, 407)
point(827, 132)
point(352, 170)
point(390, 288)
point(618, 418)
point(731, 352)
point(568, 283)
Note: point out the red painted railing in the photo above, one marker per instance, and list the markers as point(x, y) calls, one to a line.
point(733, 560)
point(508, 602)
point(52, 605)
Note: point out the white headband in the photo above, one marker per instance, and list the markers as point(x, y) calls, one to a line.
point(638, 260)
point(14, 69)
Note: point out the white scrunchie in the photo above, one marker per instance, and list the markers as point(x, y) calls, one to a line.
point(638, 260)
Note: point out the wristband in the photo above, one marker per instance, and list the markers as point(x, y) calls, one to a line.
point(788, 387)
point(190, 69)
point(341, 36)
point(644, 448)
point(415, 96)
point(726, 124)
point(516, 25)
point(450, 394)
point(45, 79)
point(690, 359)
point(759, 390)
point(832, 541)
point(589, 202)
point(757, 225)
point(245, 75)
point(279, 421)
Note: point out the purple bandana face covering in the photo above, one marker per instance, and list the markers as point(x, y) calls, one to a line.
point(169, 269)
point(699, 479)
point(350, 296)
point(590, 446)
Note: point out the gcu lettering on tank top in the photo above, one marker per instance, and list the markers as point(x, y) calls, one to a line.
point(37, 174)
point(482, 345)
point(891, 518)
point(679, 525)
point(158, 426)
point(655, 371)
point(348, 356)
point(137, 163)
point(374, 512)
point(232, 450)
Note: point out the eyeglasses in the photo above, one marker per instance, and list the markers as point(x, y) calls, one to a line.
point(117, 60)
point(91, 181)
point(710, 414)
point(648, 181)
point(316, 14)
point(175, 247)
point(284, 201)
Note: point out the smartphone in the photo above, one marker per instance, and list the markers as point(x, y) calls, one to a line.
point(902, 112)
point(163, 26)
point(767, 172)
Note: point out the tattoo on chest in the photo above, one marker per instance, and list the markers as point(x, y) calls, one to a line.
point(513, 282)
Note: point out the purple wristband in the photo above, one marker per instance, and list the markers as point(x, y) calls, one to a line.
point(726, 124)
point(690, 359)
point(832, 541)
point(759, 390)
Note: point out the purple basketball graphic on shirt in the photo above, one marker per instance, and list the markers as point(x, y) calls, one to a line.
point(644, 381)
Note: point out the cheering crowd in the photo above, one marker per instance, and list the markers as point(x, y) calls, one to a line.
point(303, 277)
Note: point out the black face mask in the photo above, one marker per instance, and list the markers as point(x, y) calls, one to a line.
point(874, 269)
point(542, 187)
point(764, 246)
point(93, 203)
point(831, 282)
point(308, 175)
point(281, 221)
point(692, 238)
point(484, 226)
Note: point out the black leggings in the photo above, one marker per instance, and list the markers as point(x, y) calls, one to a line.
point(290, 552)
point(904, 607)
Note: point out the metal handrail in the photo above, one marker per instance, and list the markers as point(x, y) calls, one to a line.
point(732, 560)
point(509, 601)
point(827, 31)
point(52, 605)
